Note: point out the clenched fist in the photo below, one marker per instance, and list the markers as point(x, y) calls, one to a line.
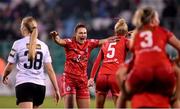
point(54, 34)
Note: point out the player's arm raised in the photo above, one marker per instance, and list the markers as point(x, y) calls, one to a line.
point(55, 36)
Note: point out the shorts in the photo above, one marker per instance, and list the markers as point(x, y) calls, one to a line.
point(76, 86)
point(158, 79)
point(150, 100)
point(30, 92)
point(104, 83)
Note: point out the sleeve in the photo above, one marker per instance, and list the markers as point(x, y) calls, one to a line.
point(127, 43)
point(96, 64)
point(93, 43)
point(47, 56)
point(68, 42)
point(129, 63)
point(169, 33)
point(12, 58)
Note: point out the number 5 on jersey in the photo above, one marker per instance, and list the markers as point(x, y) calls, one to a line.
point(111, 50)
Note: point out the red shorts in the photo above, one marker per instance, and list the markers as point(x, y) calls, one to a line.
point(160, 79)
point(104, 83)
point(150, 100)
point(76, 86)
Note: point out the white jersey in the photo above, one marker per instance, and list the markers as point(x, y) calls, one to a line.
point(28, 70)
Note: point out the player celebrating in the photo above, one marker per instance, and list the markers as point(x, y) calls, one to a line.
point(75, 81)
point(112, 54)
point(31, 56)
point(152, 71)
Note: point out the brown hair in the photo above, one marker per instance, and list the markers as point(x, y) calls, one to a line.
point(143, 16)
point(28, 23)
point(79, 25)
point(121, 27)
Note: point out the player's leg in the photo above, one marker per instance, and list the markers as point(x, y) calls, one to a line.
point(114, 87)
point(165, 79)
point(39, 95)
point(115, 99)
point(83, 97)
point(121, 101)
point(83, 102)
point(67, 90)
point(121, 74)
point(25, 105)
point(82, 93)
point(176, 98)
point(102, 89)
point(100, 100)
point(69, 100)
point(24, 95)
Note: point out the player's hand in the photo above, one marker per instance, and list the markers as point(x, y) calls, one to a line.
point(5, 80)
point(175, 60)
point(57, 96)
point(90, 82)
point(113, 39)
point(129, 33)
point(54, 35)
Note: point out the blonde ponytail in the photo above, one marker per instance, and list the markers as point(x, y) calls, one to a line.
point(32, 44)
point(31, 26)
point(121, 27)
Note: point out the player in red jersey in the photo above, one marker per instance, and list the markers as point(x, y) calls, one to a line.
point(152, 71)
point(146, 99)
point(112, 54)
point(74, 84)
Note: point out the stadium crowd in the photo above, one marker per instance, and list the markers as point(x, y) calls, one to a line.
point(62, 15)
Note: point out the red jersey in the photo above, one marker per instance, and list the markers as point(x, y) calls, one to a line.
point(149, 45)
point(77, 56)
point(150, 100)
point(112, 54)
point(152, 70)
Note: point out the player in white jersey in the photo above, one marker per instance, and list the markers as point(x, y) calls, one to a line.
point(30, 56)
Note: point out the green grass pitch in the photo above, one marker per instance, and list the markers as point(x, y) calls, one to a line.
point(10, 102)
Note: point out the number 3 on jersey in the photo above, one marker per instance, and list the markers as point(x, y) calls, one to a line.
point(36, 63)
point(111, 50)
point(148, 41)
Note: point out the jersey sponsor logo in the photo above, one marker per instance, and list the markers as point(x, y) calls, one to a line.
point(80, 58)
point(38, 46)
point(12, 53)
point(154, 48)
point(112, 61)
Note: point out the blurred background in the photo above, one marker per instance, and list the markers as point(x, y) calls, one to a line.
point(62, 16)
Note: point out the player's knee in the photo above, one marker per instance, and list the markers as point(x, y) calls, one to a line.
point(118, 75)
point(126, 89)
